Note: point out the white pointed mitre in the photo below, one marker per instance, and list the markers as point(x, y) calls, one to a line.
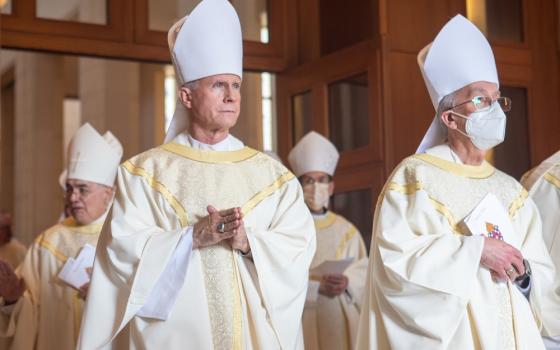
point(458, 56)
point(207, 42)
point(92, 157)
point(313, 152)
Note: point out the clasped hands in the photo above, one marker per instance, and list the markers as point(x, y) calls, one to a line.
point(221, 225)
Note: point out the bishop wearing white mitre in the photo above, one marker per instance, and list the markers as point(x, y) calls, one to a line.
point(543, 184)
point(41, 310)
point(432, 282)
point(209, 242)
point(332, 307)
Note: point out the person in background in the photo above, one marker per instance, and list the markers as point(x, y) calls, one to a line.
point(543, 184)
point(439, 277)
point(209, 242)
point(331, 313)
point(39, 309)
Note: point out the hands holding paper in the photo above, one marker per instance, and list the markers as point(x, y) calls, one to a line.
point(333, 285)
point(499, 255)
point(332, 280)
point(77, 272)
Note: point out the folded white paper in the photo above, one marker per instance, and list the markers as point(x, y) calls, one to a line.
point(75, 270)
point(331, 267)
point(490, 219)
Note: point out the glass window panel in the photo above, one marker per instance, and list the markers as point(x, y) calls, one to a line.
point(253, 15)
point(512, 156)
point(170, 89)
point(301, 115)
point(84, 11)
point(268, 111)
point(501, 20)
point(6, 7)
point(357, 207)
point(348, 112)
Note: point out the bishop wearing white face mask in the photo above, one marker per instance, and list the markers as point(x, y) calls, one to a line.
point(458, 259)
point(331, 313)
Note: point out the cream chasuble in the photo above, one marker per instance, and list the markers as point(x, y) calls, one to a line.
point(426, 288)
point(545, 192)
point(12, 252)
point(543, 184)
point(49, 313)
point(226, 301)
point(332, 323)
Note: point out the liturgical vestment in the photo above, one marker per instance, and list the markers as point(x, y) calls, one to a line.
point(426, 287)
point(227, 301)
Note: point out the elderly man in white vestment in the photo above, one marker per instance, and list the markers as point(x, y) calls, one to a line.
point(457, 255)
point(209, 242)
point(543, 184)
point(11, 250)
point(40, 309)
point(332, 307)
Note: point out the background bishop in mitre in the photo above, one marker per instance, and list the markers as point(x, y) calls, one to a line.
point(40, 310)
point(332, 307)
point(433, 284)
point(209, 242)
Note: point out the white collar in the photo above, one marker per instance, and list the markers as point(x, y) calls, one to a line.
point(230, 143)
point(319, 216)
point(443, 151)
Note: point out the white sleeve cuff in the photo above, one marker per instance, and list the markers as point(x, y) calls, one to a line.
point(166, 290)
point(312, 293)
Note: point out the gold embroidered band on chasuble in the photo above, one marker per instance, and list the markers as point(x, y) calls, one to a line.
point(190, 180)
point(455, 189)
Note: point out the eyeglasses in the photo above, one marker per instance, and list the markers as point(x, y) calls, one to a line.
point(483, 103)
point(308, 180)
point(82, 191)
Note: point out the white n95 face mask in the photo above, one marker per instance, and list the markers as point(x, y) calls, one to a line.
point(316, 196)
point(486, 129)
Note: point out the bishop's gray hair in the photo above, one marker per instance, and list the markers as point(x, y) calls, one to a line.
point(446, 103)
point(191, 85)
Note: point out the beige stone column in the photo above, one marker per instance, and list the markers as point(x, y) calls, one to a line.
point(110, 96)
point(152, 105)
point(38, 143)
